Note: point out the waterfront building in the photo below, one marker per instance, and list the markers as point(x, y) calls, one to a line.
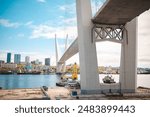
point(22, 63)
point(37, 61)
point(28, 67)
point(33, 62)
point(37, 67)
point(1, 62)
point(47, 61)
point(27, 59)
point(9, 65)
point(8, 57)
point(40, 63)
point(17, 58)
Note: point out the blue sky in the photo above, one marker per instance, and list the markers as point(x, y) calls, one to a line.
point(28, 27)
point(20, 19)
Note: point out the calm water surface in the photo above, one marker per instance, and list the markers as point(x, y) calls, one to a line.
point(36, 81)
point(27, 81)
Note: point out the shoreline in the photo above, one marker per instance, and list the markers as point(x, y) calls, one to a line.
point(58, 74)
point(64, 93)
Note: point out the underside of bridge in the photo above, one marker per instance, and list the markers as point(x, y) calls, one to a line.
point(115, 21)
point(119, 12)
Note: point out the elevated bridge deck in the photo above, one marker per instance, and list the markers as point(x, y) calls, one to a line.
point(113, 12)
point(119, 12)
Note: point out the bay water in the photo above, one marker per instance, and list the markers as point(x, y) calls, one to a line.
point(36, 81)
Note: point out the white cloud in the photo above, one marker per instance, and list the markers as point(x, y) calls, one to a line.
point(70, 21)
point(3, 55)
point(144, 39)
point(108, 53)
point(48, 32)
point(42, 1)
point(73, 59)
point(62, 46)
point(29, 23)
point(7, 23)
point(68, 8)
point(63, 8)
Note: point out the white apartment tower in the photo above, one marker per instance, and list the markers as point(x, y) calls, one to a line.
point(27, 59)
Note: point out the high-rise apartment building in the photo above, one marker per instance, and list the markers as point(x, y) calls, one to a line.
point(17, 58)
point(27, 59)
point(47, 61)
point(8, 57)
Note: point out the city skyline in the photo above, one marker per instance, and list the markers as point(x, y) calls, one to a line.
point(14, 58)
point(31, 32)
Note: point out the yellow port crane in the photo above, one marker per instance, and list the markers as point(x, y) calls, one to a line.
point(74, 72)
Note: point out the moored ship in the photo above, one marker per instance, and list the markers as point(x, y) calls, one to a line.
point(26, 73)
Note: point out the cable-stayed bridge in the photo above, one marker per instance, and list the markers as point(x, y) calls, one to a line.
point(115, 21)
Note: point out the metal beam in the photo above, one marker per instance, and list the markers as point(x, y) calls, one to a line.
point(113, 33)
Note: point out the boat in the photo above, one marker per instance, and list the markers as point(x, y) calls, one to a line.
point(74, 84)
point(58, 73)
point(6, 72)
point(29, 73)
point(61, 84)
point(108, 79)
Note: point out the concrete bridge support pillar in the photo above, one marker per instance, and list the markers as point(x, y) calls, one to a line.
point(128, 70)
point(89, 76)
point(59, 68)
point(64, 67)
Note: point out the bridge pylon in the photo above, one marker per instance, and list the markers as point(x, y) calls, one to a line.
point(89, 77)
point(128, 68)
